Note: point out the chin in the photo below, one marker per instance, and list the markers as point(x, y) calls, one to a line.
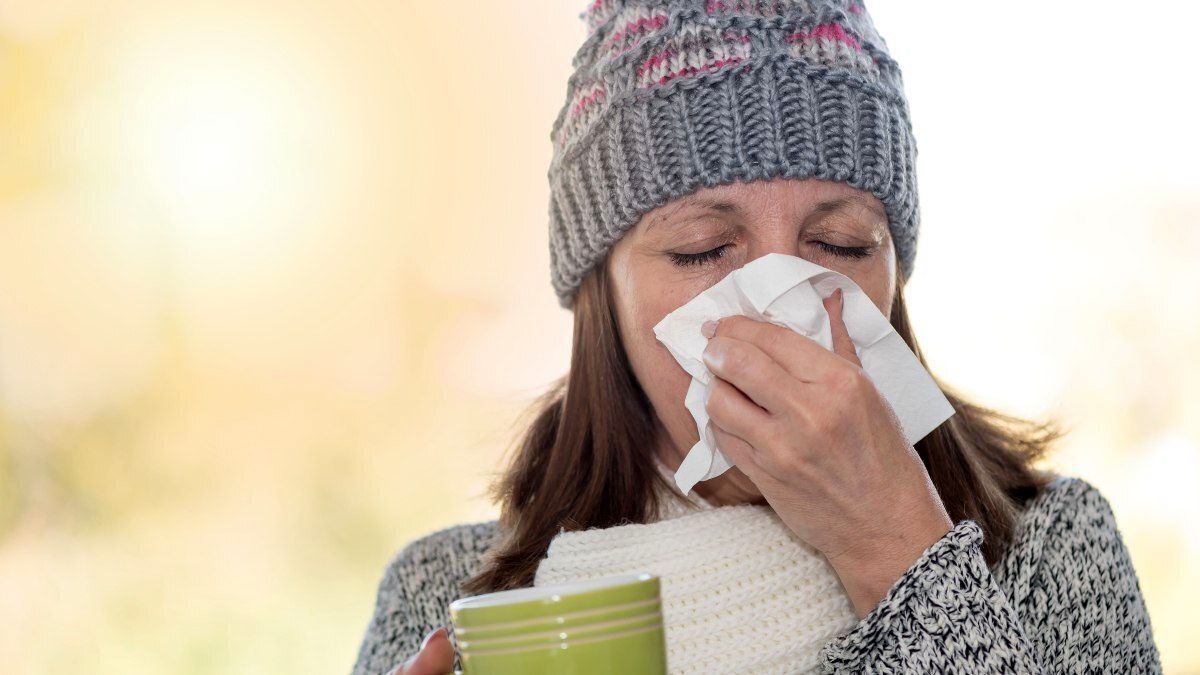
point(731, 487)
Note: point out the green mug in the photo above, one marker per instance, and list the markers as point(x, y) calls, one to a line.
point(593, 627)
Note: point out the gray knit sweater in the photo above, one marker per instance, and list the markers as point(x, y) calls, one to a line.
point(1063, 599)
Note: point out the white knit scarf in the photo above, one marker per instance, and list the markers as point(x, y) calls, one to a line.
point(740, 591)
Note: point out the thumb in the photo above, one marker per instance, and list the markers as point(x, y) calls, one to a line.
point(842, 344)
point(436, 656)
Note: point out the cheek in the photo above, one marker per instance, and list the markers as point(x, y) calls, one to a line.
point(882, 293)
point(657, 371)
point(645, 294)
point(660, 376)
point(878, 283)
point(665, 385)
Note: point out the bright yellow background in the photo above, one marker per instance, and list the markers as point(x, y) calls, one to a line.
point(274, 286)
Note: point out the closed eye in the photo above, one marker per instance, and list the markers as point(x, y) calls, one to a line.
point(691, 259)
point(845, 251)
point(688, 259)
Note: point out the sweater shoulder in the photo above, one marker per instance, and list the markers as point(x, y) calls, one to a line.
point(417, 586)
point(456, 546)
point(1065, 503)
point(430, 567)
point(1069, 514)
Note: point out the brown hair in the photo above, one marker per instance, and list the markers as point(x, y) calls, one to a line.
point(586, 461)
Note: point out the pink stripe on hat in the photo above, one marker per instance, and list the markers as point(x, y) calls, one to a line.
point(828, 31)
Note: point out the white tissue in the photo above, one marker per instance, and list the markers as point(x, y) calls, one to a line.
point(787, 291)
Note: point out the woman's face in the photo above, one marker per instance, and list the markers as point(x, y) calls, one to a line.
point(681, 248)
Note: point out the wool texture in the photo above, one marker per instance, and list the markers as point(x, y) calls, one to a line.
point(1063, 598)
point(668, 96)
point(740, 591)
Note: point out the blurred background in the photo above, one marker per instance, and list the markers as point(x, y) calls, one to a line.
point(274, 288)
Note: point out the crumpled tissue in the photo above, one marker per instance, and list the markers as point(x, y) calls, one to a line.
point(787, 291)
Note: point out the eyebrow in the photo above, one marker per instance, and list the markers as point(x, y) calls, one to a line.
point(823, 207)
point(831, 205)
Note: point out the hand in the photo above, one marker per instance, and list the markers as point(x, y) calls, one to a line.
point(809, 428)
point(435, 657)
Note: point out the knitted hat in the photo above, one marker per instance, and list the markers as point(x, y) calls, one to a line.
point(671, 95)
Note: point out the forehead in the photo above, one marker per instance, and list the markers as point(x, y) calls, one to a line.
point(801, 196)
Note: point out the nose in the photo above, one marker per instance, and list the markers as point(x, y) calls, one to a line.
point(773, 236)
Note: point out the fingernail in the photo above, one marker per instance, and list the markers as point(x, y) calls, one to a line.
point(709, 328)
point(430, 636)
point(712, 356)
point(841, 298)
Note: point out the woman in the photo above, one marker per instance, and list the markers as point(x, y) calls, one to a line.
point(698, 136)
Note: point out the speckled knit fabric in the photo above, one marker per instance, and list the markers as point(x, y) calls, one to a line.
point(1063, 599)
point(668, 96)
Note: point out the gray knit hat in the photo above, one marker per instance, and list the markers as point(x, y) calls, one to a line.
point(670, 95)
